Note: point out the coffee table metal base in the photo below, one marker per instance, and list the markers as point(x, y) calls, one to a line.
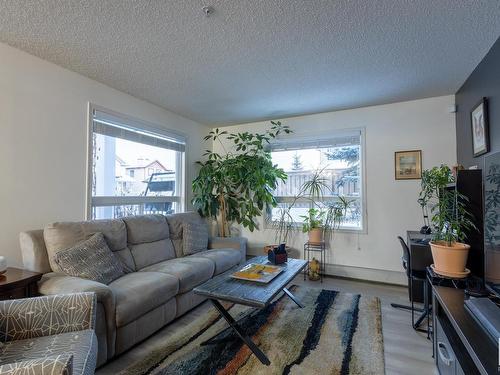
point(243, 336)
point(293, 298)
point(239, 331)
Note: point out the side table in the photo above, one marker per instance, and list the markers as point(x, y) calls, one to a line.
point(18, 283)
point(311, 247)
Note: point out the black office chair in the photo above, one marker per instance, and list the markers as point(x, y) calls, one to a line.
point(415, 272)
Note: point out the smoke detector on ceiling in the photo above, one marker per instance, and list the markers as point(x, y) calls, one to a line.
point(208, 10)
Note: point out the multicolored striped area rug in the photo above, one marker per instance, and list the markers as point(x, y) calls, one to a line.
point(336, 333)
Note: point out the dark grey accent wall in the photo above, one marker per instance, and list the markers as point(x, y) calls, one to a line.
point(483, 82)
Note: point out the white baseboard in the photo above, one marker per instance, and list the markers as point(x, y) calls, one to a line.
point(362, 273)
point(372, 274)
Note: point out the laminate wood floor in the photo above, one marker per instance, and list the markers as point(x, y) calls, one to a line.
point(406, 351)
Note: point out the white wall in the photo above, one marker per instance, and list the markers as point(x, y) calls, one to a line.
point(392, 205)
point(43, 140)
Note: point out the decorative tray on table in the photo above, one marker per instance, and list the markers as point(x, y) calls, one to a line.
point(261, 273)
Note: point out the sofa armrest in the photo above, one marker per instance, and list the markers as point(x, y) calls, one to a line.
point(46, 316)
point(238, 243)
point(56, 283)
point(53, 365)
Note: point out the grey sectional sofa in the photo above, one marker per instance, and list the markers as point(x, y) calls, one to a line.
point(158, 281)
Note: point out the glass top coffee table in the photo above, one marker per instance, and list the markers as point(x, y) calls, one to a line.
point(250, 293)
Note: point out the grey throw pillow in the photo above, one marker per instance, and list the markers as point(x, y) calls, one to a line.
point(194, 237)
point(91, 259)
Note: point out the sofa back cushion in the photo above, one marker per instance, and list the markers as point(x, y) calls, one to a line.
point(176, 225)
point(149, 239)
point(91, 259)
point(63, 235)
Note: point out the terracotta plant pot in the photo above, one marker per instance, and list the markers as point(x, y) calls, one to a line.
point(315, 235)
point(449, 259)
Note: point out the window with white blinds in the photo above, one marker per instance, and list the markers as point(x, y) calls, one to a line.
point(134, 167)
point(339, 157)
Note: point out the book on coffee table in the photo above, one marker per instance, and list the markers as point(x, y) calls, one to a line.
point(261, 273)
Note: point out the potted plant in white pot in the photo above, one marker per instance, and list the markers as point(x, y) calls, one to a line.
point(450, 220)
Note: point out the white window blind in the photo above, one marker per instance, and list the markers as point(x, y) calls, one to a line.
point(335, 140)
point(114, 126)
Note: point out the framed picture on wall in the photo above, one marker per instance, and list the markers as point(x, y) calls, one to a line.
point(480, 128)
point(408, 165)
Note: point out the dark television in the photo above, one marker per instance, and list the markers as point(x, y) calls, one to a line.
point(492, 222)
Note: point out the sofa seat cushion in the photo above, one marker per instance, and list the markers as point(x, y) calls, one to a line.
point(137, 293)
point(223, 259)
point(190, 271)
point(81, 344)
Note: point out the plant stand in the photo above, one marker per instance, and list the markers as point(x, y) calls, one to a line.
point(313, 248)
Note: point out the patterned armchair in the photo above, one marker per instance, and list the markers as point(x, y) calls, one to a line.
point(48, 335)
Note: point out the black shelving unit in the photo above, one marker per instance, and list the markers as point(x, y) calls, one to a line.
point(470, 184)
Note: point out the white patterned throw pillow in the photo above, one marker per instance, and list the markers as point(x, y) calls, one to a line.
point(91, 259)
point(194, 237)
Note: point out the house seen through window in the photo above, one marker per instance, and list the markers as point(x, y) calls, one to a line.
point(133, 170)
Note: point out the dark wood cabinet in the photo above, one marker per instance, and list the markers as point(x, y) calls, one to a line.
point(461, 345)
point(17, 283)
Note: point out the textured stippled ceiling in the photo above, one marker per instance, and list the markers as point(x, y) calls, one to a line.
point(260, 59)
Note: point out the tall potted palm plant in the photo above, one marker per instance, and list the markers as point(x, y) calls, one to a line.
point(238, 184)
point(450, 220)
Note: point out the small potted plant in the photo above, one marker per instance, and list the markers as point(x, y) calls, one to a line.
point(313, 224)
point(322, 219)
point(283, 222)
point(449, 218)
point(283, 226)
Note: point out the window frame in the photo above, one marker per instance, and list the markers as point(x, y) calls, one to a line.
point(141, 125)
point(323, 136)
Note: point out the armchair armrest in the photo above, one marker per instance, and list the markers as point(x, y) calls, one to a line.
point(237, 243)
point(53, 365)
point(45, 316)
